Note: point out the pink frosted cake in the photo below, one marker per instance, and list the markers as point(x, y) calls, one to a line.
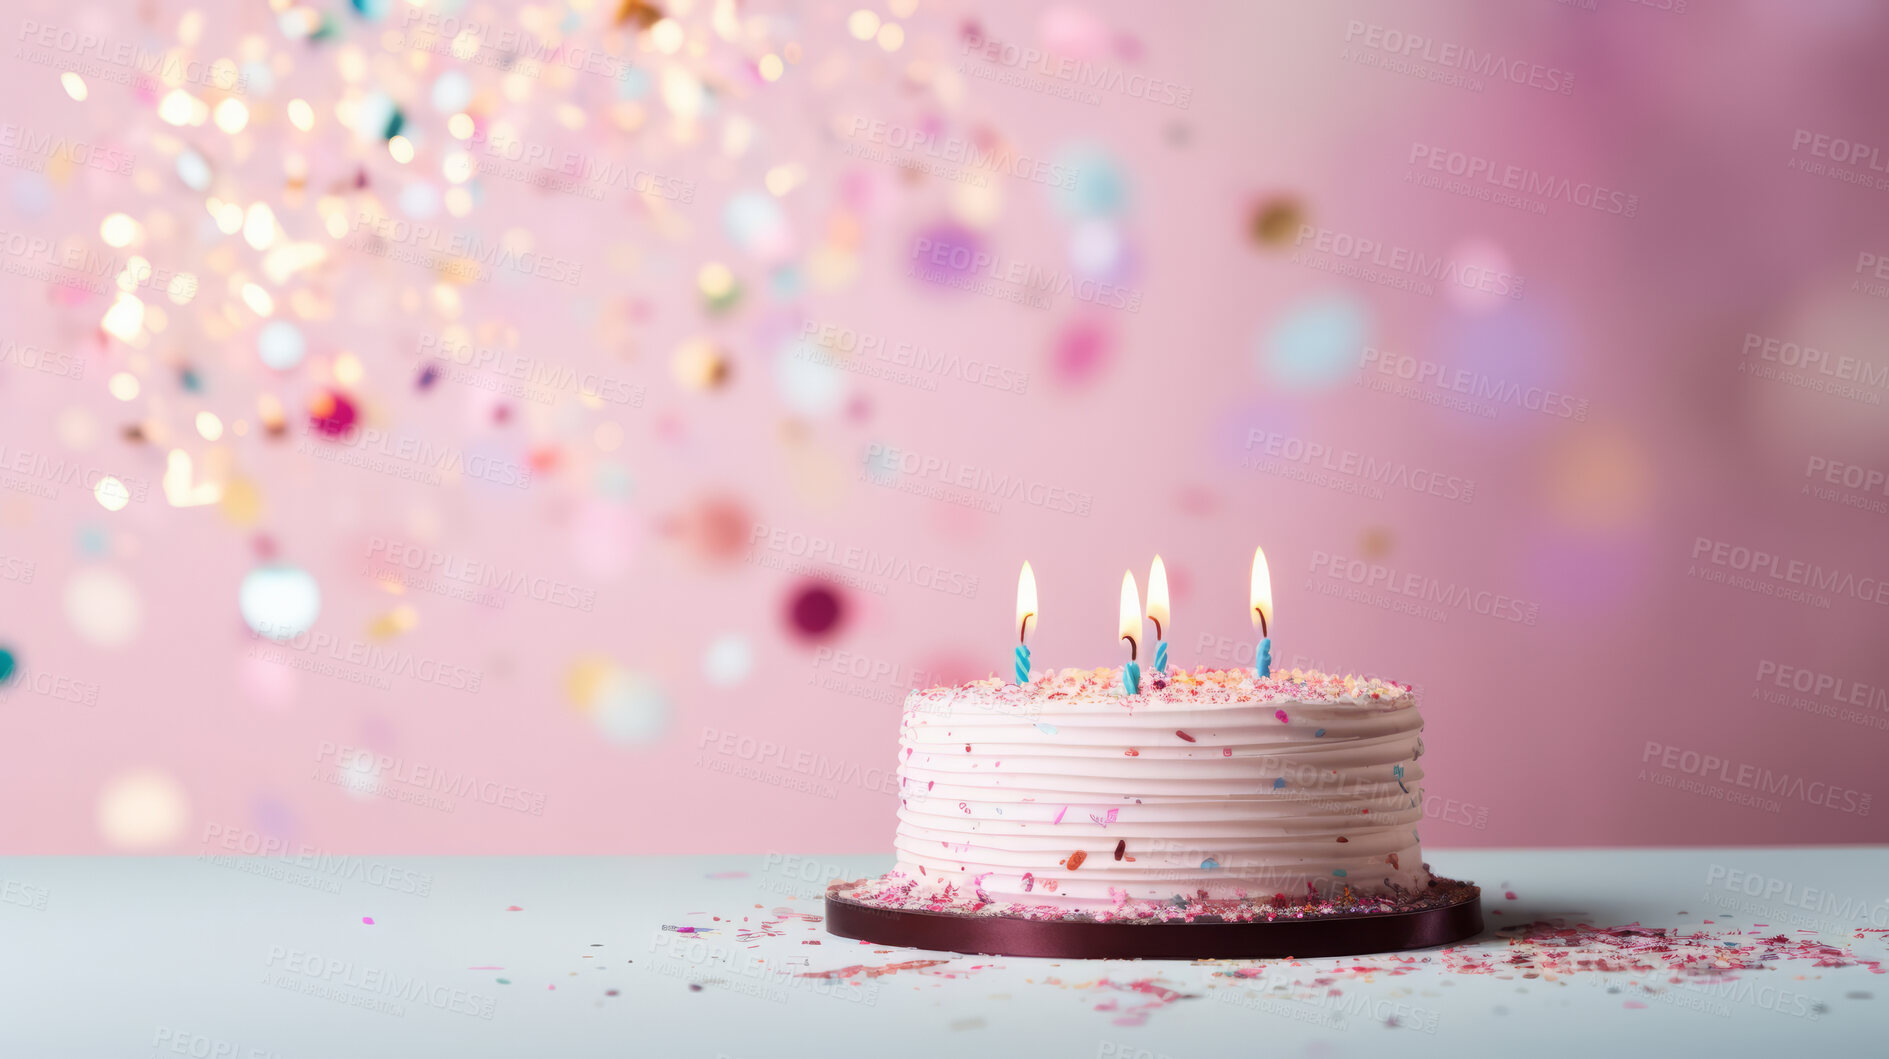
point(1210, 792)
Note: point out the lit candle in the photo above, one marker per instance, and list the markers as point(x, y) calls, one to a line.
point(1158, 612)
point(1131, 631)
point(1262, 614)
point(1026, 609)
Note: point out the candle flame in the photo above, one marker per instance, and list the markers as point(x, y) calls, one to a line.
point(1158, 597)
point(1131, 614)
point(1026, 600)
point(1262, 592)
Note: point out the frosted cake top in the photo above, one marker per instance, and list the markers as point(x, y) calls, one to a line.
point(1200, 688)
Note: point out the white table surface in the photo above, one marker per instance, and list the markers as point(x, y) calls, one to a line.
point(269, 957)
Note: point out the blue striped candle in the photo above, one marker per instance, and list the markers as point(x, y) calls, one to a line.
point(1161, 657)
point(1023, 664)
point(1262, 658)
point(1131, 678)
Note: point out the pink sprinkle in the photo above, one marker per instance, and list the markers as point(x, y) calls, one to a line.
point(1226, 751)
point(369, 920)
point(1509, 895)
point(1281, 714)
point(1059, 815)
point(513, 908)
point(1633, 1004)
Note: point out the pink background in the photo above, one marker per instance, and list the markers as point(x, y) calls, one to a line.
point(637, 727)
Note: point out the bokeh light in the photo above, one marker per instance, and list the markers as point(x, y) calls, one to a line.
point(279, 601)
point(1316, 344)
point(142, 810)
point(728, 660)
point(103, 606)
point(815, 611)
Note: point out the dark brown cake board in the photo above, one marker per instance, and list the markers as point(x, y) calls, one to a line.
point(1336, 934)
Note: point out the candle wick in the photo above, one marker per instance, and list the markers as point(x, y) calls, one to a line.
point(1262, 623)
point(1157, 626)
point(1024, 625)
point(1131, 647)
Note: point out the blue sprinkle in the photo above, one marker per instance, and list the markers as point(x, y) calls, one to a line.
point(1209, 864)
point(1397, 771)
point(1340, 872)
point(1278, 784)
point(1046, 729)
point(1318, 734)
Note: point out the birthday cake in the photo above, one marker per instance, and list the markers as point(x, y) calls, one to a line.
point(1210, 792)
